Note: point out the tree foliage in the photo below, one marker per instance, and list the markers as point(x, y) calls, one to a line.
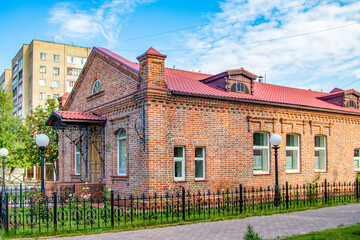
point(34, 124)
point(10, 125)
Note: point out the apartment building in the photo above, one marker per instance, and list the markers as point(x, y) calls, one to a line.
point(42, 70)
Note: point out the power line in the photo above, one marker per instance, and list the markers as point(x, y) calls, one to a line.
point(203, 24)
point(351, 83)
point(261, 41)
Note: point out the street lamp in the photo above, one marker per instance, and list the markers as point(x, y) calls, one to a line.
point(276, 140)
point(42, 141)
point(3, 153)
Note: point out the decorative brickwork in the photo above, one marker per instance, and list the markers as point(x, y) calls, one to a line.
point(156, 120)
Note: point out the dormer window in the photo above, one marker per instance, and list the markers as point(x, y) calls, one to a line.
point(351, 103)
point(97, 87)
point(240, 87)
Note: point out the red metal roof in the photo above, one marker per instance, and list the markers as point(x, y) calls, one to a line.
point(189, 82)
point(80, 116)
point(152, 51)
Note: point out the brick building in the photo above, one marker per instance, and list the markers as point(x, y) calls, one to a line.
point(139, 126)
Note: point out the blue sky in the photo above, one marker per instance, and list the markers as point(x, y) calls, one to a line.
point(304, 43)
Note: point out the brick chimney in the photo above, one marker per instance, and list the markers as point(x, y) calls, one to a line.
point(62, 101)
point(152, 67)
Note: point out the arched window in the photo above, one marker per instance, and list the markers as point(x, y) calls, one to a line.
point(121, 139)
point(97, 87)
point(261, 152)
point(77, 159)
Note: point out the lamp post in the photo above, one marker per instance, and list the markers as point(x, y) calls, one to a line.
point(42, 141)
point(3, 153)
point(276, 140)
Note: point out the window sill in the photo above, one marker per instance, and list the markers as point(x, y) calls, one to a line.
point(205, 180)
point(320, 170)
point(180, 180)
point(75, 175)
point(92, 97)
point(120, 176)
point(293, 172)
point(261, 173)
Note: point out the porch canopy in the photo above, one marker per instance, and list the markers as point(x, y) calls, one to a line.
point(87, 131)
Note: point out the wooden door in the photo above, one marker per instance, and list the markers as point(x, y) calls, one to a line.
point(95, 164)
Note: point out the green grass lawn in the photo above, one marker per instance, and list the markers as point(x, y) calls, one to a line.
point(340, 233)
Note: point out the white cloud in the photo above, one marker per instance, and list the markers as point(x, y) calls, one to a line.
point(104, 19)
point(320, 60)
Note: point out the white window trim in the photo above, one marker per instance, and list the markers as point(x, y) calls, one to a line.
point(201, 159)
point(357, 158)
point(76, 152)
point(182, 160)
point(321, 148)
point(118, 154)
point(298, 153)
point(260, 148)
point(92, 90)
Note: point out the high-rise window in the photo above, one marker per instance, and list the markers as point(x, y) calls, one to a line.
point(20, 90)
point(76, 60)
point(200, 163)
point(73, 71)
point(55, 84)
point(56, 58)
point(70, 85)
point(42, 82)
point(42, 69)
point(56, 71)
point(320, 153)
point(121, 139)
point(42, 56)
point(292, 153)
point(42, 96)
point(261, 152)
point(179, 163)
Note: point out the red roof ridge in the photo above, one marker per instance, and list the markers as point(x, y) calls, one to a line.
point(306, 90)
point(152, 51)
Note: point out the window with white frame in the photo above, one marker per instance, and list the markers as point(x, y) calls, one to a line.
point(56, 71)
point(200, 163)
point(70, 85)
point(56, 58)
point(55, 84)
point(292, 153)
point(320, 153)
point(121, 139)
point(179, 163)
point(356, 159)
point(42, 56)
point(96, 87)
point(42, 82)
point(42, 69)
point(42, 96)
point(261, 152)
point(77, 159)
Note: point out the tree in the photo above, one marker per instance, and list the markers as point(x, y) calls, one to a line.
point(34, 124)
point(10, 126)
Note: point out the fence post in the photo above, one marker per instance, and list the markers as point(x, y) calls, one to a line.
point(6, 222)
point(287, 195)
point(55, 211)
point(357, 189)
point(241, 198)
point(326, 195)
point(183, 203)
point(73, 188)
point(20, 194)
point(112, 207)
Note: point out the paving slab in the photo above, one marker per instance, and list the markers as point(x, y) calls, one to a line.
point(268, 227)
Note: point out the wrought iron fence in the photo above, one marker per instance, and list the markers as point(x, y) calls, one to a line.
point(29, 211)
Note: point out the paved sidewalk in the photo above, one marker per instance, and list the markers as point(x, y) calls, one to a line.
point(268, 227)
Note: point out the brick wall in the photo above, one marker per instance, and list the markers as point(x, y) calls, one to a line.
point(224, 128)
